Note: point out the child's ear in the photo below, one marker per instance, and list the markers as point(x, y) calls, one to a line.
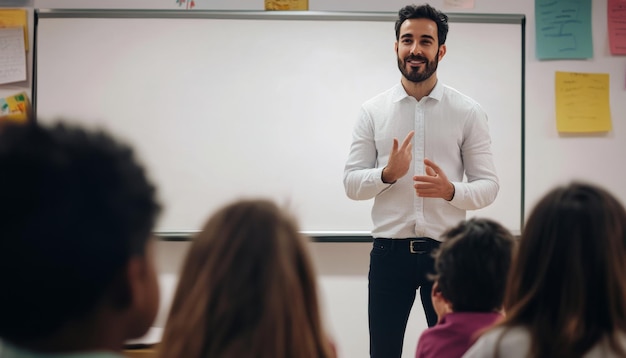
point(440, 304)
point(436, 289)
point(143, 291)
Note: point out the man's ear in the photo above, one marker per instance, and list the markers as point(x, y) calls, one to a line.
point(442, 51)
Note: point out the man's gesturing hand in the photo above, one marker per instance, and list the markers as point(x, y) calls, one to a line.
point(399, 159)
point(434, 184)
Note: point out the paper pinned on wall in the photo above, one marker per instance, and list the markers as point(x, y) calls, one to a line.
point(15, 18)
point(15, 108)
point(616, 18)
point(298, 5)
point(582, 102)
point(12, 55)
point(458, 4)
point(563, 29)
point(188, 4)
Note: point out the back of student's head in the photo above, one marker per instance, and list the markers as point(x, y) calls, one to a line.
point(568, 285)
point(247, 288)
point(472, 265)
point(75, 207)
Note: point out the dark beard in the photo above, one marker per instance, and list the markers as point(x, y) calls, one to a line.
point(414, 75)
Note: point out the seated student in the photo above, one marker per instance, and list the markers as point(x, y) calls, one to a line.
point(567, 288)
point(471, 266)
point(247, 289)
point(76, 259)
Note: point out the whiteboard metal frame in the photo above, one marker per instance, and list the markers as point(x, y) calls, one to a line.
point(269, 15)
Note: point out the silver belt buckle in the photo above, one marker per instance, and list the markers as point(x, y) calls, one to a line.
point(413, 251)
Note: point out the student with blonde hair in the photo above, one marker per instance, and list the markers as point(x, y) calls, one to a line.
point(247, 289)
point(567, 287)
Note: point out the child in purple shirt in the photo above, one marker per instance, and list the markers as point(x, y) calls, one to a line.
point(472, 266)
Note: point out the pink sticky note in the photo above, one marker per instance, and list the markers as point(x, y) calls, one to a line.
point(616, 18)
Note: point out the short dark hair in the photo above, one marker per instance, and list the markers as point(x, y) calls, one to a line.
point(472, 265)
point(424, 12)
point(75, 206)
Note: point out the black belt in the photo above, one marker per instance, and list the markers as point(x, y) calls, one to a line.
point(418, 245)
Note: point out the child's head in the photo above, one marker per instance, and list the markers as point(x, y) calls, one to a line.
point(76, 217)
point(472, 265)
point(247, 288)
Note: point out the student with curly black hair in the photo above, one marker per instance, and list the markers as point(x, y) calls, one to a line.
point(76, 256)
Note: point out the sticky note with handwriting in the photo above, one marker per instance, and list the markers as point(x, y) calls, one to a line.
point(616, 18)
point(582, 102)
point(563, 29)
point(12, 55)
point(15, 18)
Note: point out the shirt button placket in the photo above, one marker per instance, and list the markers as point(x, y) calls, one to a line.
point(418, 165)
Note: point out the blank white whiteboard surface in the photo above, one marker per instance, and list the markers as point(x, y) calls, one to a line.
point(220, 109)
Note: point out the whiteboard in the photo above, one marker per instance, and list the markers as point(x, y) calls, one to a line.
point(224, 107)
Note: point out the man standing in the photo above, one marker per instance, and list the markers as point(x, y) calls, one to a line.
point(417, 185)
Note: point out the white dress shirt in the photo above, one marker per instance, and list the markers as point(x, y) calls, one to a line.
point(451, 130)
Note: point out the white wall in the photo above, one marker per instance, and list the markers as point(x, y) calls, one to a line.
point(550, 158)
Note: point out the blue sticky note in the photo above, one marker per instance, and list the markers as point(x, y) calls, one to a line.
point(563, 29)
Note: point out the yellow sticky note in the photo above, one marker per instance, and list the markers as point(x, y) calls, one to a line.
point(15, 108)
point(15, 18)
point(582, 102)
point(286, 4)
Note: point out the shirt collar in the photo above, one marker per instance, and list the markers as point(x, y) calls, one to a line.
point(399, 93)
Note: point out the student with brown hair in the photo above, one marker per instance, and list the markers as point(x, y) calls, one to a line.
point(567, 287)
point(247, 289)
point(76, 255)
